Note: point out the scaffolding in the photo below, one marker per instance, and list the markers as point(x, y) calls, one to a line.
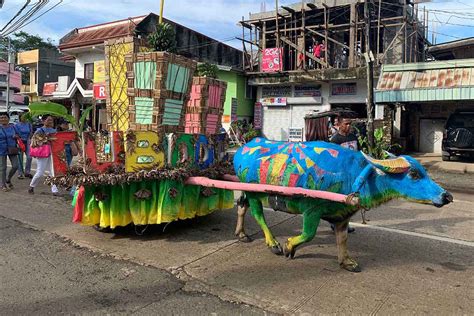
point(323, 34)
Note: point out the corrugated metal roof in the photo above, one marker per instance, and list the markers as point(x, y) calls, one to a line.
point(442, 78)
point(425, 83)
point(98, 34)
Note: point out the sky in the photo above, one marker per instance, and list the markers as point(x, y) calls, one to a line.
point(449, 20)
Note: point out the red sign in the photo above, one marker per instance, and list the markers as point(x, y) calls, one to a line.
point(257, 115)
point(272, 60)
point(49, 88)
point(344, 88)
point(99, 91)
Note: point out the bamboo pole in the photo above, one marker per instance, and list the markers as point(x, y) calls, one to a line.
point(272, 189)
point(326, 14)
point(161, 10)
point(378, 31)
point(416, 34)
point(244, 50)
point(251, 50)
point(352, 35)
point(303, 23)
point(405, 31)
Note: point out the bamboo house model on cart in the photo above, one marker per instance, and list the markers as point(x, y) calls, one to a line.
point(136, 171)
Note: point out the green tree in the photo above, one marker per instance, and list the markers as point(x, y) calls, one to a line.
point(21, 42)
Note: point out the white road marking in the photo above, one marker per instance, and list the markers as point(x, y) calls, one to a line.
point(408, 233)
point(421, 235)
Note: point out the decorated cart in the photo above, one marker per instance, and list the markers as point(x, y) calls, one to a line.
point(162, 158)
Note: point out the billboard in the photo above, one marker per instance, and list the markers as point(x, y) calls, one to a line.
point(99, 71)
point(272, 60)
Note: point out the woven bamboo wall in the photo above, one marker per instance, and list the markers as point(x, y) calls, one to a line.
point(116, 79)
point(206, 106)
point(158, 90)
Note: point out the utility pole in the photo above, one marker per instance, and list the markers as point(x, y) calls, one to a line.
point(370, 75)
point(7, 99)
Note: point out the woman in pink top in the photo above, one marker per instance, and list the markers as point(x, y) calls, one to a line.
point(317, 49)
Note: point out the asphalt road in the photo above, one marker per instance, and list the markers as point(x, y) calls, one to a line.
point(43, 274)
point(415, 259)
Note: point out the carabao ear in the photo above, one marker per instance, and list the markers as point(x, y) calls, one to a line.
point(393, 165)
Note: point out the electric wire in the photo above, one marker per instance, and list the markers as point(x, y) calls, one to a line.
point(20, 21)
point(17, 14)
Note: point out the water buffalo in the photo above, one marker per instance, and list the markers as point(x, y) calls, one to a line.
point(328, 167)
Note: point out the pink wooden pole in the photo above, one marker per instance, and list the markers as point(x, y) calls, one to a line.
point(271, 189)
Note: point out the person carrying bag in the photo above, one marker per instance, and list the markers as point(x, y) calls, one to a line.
point(25, 130)
point(41, 150)
point(8, 148)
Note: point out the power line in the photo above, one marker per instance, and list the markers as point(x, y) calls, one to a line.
point(22, 19)
point(54, 6)
point(17, 14)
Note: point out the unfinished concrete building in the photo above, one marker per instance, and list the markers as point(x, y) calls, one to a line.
point(311, 56)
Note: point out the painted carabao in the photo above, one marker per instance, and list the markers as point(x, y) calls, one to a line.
point(327, 167)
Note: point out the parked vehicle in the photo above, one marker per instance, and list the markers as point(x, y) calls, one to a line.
point(458, 138)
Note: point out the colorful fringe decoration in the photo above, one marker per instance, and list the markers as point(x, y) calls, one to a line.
point(147, 202)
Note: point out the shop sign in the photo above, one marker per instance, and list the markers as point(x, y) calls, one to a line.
point(276, 91)
point(272, 60)
point(307, 91)
point(49, 88)
point(99, 91)
point(344, 88)
point(233, 110)
point(273, 101)
point(99, 71)
point(257, 115)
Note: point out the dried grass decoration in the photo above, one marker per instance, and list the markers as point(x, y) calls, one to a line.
point(39, 139)
point(116, 175)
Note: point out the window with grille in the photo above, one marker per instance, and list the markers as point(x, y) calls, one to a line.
point(89, 71)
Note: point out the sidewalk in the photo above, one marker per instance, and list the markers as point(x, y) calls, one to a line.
point(435, 163)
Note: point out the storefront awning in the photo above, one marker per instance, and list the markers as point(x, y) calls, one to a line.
point(423, 82)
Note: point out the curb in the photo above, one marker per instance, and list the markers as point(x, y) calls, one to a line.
point(433, 167)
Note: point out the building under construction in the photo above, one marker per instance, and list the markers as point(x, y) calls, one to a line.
point(312, 55)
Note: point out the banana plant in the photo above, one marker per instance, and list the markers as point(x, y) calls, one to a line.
point(59, 110)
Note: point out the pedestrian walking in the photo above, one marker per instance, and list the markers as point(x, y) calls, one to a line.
point(347, 139)
point(8, 149)
point(344, 135)
point(25, 131)
point(41, 148)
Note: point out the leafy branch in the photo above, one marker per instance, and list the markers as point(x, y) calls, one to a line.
point(59, 110)
point(380, 149)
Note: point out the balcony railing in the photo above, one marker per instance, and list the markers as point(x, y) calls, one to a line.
point(26, 88)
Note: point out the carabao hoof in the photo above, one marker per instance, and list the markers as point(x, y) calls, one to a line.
point(351, 266)
point(290, 254)
point(245, 238)
point(277, 250)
